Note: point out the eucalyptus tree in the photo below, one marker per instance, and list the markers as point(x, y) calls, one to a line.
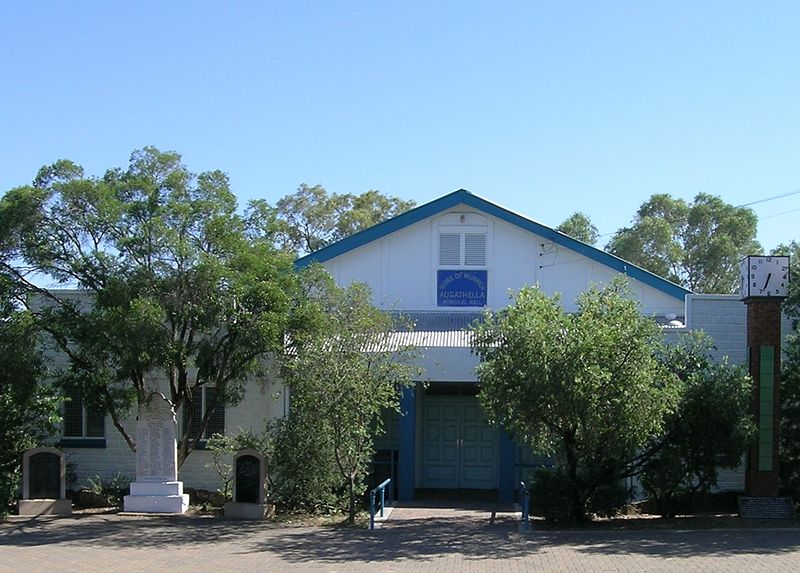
point(579, 226)
point(585, 387)
point(343, 374)
point(697, 245)
point(28, 408)
point(170, 282)
point(790, 379)
point(311, 219)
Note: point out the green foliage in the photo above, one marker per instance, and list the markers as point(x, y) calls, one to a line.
point(709, 430)
point(172, 280)
point(696, 245)
point(791, 306)
point(223, 448)
point(28, 410)
point(585, 388)
point(553, 492)
point(114, 490)
point(305, 473)
point(579, 226)
point(311, 219)
point(341, 376)
point(790, 419)
point(790, 381)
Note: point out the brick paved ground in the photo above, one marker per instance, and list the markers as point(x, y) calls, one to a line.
point(412, 540)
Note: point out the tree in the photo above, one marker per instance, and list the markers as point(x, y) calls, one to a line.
point(790, 380)
point(585, 388)
point(791, 306)
point(342, 377)
point(310, 219)
point(790, 419)
point(28, 409)
point(710, 428)
point(172, 283)
point(579, 226)
point(696, 245)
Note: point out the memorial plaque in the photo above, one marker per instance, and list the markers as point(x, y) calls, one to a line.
point(156, 489)
point(248, 479)
point(43, 487)
point(44, 476)
point(766, 507)
point(156, 444)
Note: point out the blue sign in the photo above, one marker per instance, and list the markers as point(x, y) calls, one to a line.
point(461, 288)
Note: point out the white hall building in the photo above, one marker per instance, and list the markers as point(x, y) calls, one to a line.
point(441, 264)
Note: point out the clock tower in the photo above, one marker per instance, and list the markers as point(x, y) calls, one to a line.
point(764, 285)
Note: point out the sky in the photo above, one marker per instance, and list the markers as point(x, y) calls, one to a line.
point(546, 108)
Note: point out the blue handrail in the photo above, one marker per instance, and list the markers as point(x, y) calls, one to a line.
point(526, 506)
point(382, 489)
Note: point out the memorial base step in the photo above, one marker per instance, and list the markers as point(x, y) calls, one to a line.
point(156, 503)
point(252, 511)
point(157, 488)
point(35, 507)
point(156, 497)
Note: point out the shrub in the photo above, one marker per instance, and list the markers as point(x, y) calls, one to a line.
point(113, 490)
point(553, 493)
point(224, 447)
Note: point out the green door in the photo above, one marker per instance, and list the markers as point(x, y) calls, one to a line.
point(459, 449)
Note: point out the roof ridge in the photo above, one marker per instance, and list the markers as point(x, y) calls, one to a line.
point(462, 196)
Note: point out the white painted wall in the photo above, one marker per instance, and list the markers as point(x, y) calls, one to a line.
point(262, 402)
point(401, 267)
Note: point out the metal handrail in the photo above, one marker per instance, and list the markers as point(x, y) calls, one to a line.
point(382, 489)
point(526, 506)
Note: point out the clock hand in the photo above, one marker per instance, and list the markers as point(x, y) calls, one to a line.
point(769, 276)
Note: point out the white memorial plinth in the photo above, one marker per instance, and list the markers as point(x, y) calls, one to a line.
point(156, 489)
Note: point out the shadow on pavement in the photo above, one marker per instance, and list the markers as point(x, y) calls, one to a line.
point(424, 539)
point(417, 539)
point(128, 531)
point(676, 544)
point(431, 538)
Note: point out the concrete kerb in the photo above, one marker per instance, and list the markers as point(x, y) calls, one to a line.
point(387, 512)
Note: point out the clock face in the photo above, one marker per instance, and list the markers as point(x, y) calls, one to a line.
point(766, 277)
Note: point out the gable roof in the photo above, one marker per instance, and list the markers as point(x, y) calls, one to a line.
point(464, 197)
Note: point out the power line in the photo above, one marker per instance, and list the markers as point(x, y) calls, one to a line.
point(781, 196)
point(779, 214)
point(766, 199)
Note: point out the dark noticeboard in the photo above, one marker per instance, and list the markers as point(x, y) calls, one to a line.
point(461, 288)
point(45, 476)
point(248, 476)
point(754, 507)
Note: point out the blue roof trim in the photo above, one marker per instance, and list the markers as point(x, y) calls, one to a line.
point(464, 197)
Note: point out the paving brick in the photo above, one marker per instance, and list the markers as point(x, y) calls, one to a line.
point(413, 540)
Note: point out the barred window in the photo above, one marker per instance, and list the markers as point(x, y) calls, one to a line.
point(204, 400)
point(81, 420)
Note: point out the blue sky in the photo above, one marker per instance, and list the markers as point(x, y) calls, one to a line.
point(545, 108)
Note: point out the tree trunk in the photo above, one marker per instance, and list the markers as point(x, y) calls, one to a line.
point(576, 512)
point(352, 487)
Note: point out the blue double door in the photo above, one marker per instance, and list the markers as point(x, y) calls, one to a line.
point(459, 449)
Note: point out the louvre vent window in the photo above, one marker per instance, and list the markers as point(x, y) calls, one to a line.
point(465, 247)
point(450, 249)
point(475, 249)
